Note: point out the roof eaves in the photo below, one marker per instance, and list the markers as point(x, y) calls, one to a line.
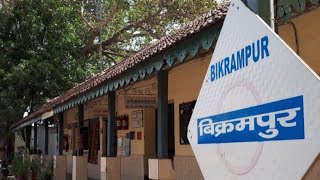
point(200, 23)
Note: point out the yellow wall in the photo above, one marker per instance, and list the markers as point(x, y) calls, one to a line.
point(18, 142)
point(147, 144)
point(186, 79)
point(69, 117)
point(97, 107)
point(184, 85)
point(94, 108)
point(308, 33)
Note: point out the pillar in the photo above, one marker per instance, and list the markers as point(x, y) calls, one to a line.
point(61, 133)
point(28, 136)
point(80, 124)
point(35, 137)
point(162, 120)
point(111, 132)
point(46, 137)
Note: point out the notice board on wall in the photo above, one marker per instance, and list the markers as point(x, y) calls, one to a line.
point(140, 102)
point(137, 119)
point(123, 148)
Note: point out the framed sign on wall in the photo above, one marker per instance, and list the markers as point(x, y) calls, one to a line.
point(137, 119)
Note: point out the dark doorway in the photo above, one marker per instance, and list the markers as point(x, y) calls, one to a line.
point(171, 139)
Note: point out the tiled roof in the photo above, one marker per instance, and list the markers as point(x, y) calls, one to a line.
point(187, 30)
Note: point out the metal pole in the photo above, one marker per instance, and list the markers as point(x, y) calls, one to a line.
point(111, 131)
point(99, 15)
point(162, 120)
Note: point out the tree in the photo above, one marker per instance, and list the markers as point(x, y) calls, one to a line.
point(40, 57)
point(48, 46)
point(129, 25)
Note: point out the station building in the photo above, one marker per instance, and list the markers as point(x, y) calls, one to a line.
point(131, 120)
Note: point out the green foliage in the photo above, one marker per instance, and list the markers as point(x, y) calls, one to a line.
point(35, 165)
point(47, 47)
point(129, 25)
point(46, 172)
point(21, 163)
point(39, 55)
point(42, 167)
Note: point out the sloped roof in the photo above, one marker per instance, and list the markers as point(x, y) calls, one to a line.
point(186, 31)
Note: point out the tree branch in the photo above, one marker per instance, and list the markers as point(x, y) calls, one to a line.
point(112, 14)
point(150, 32)
point(90, 47)
point(85, 21)
point(112, 59)
point(113, 53)
point(96, 30)
point(126, 51)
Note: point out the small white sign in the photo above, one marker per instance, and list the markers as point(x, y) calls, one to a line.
point(258, 112)
point(137, 119)
point(140, 102)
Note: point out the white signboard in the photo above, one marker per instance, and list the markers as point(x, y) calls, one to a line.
point(140, 102)
point(137, 119)
point(258, 112)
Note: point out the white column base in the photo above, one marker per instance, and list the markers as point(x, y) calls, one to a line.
point(79, 168)
point(103, 168)
point(113, 166)
point(60, 167)
point(161, 169)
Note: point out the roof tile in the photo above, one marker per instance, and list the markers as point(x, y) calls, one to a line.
point(208, 19)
